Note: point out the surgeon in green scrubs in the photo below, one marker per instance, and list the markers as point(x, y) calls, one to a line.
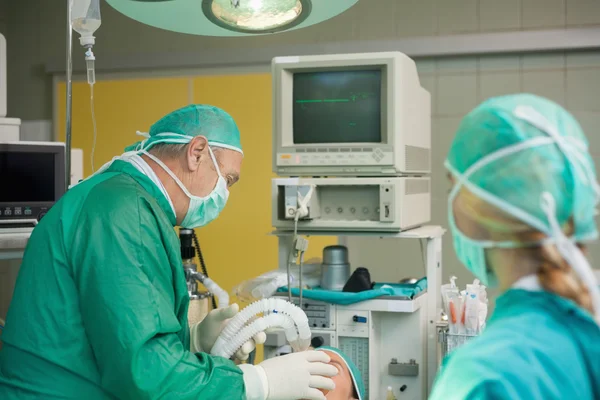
point(100, 305)
point(521, 211)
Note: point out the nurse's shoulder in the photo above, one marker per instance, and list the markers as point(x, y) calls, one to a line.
point(523, 354)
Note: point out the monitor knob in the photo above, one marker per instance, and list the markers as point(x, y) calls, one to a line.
point(317, 341)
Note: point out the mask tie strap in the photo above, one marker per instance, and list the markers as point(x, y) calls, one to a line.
point(214, 160)
point(168, 171)
point(141, 145)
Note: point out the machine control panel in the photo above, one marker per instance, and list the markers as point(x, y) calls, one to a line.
point(320, 315)
point(17, 213)
point(358, 156)
point(353, 323)
point(351, 204)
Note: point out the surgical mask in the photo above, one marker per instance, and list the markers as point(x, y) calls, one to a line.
point(201, 210)
point(471, 252)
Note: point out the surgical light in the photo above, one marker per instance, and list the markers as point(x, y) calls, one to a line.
point(231, 17)
point(256, 16)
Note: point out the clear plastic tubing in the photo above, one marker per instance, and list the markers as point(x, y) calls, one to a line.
point(221, 295)
point(299, 339)
point(227, 349)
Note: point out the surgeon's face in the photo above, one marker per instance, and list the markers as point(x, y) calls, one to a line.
point(230, 164)
point(203, 174)
point(344, 388)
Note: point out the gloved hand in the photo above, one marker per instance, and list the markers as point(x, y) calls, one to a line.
point(290, 377)
point(205, 334)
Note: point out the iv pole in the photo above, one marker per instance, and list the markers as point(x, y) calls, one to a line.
point(69, 94)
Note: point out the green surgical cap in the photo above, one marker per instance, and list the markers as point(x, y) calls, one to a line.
point(182, 125)
point(564, 167)
point(359, 385)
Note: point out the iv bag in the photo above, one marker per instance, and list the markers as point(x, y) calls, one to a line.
point(85, 19)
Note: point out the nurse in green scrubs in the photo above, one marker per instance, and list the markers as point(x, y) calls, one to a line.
point(521, 211)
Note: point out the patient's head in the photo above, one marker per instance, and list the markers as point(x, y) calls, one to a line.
point(348, 382)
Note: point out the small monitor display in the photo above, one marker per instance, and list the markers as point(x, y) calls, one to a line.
point(27, 177)
point(337, 107)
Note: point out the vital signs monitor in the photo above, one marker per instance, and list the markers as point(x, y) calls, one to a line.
point(350, 115)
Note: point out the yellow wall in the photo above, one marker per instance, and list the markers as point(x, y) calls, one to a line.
point(236, 246)
point(122, 107)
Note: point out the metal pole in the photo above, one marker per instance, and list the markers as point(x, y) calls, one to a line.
point(69, 94)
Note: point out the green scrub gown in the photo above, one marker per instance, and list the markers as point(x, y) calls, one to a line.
point(100, 305)
point(537, 346)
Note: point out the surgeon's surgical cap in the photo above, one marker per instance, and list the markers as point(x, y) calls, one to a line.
point(182, 125)
point(562, 167)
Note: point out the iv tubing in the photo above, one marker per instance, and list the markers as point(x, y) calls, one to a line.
point(93, 125)
point(69, 94)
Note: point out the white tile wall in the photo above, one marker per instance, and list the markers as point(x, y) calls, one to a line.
point(426, 65)
point(457, 16)
point(590, 123)
point(499, 63)
point(583, 12)
point(583, 89)
point(376, 25)
point(457, 65)
point(543, 61)
point(498, 84)
point(549, 84)
point(415, 18)
point(501, 15)
point(458, 84)
point(543, 14)
point(456, 94)
point(583, 59)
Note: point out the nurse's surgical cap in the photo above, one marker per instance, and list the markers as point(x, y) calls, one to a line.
point(553, 159)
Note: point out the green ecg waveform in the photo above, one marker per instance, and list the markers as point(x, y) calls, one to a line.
point(352, 98)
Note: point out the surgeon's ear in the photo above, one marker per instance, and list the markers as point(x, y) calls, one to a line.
point(197, 150)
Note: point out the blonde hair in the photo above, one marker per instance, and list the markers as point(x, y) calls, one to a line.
point(480, 220)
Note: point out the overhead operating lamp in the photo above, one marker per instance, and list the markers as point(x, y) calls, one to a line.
point(231, 17)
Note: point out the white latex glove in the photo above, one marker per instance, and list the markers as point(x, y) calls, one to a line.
point(205, 333)
point(290, 377)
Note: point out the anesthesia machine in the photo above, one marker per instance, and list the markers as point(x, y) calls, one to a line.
point(352, 151)
point(353, 204)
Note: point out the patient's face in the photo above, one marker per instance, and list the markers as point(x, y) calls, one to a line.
point(344, 389)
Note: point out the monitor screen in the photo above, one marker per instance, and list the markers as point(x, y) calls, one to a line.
point(337, 107)
point(27, 177)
